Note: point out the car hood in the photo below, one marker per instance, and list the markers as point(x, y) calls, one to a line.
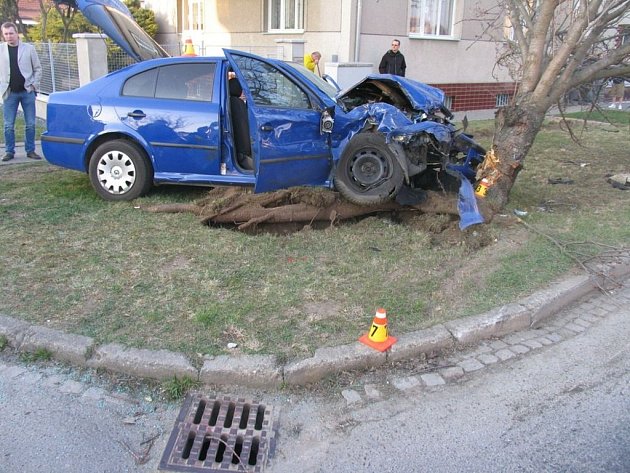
point(116, 21)
point(421, 96)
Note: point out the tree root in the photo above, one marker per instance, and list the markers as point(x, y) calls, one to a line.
point(243, 210)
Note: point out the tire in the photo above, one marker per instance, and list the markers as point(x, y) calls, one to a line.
point(119, 171)
point(368, 172)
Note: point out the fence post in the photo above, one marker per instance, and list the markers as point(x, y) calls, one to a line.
point(91, 56)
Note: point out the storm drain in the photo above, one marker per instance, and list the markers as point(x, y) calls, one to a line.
point(218, 435)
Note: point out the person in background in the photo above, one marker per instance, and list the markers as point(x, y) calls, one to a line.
point(393, 61)
point(20, 74)
point(617, 92)
point(311, 62)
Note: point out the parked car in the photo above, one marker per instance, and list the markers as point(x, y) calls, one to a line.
point(182, 120)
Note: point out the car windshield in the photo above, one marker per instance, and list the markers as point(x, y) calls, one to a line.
point(317, 81)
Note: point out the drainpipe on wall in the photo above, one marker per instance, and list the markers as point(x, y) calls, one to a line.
point(357, 38)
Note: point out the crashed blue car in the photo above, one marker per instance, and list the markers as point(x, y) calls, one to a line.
point(274, 125)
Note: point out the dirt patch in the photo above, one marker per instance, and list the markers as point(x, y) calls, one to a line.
point(487, 259)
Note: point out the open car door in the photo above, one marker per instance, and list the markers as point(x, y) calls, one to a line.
point(288, 146)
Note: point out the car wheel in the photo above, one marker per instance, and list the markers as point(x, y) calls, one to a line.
point(368, 172)
point(119, 171)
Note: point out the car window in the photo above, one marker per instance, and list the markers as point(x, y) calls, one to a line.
point(269, 86)
point(141, 85)
point(176, 81)
point(186, 81)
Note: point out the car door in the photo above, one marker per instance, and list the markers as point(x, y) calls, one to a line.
point(288, 146)
point(174, 109)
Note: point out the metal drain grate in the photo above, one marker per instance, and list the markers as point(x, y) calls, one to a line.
point(219, 435)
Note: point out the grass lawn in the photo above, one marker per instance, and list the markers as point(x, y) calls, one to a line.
point(603, 115)
point(112, 271)
point(40, 127)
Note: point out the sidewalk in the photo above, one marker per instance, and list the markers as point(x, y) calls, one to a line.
point(20, 154)
point(490, 113)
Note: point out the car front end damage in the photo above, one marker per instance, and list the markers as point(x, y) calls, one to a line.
point(417, 135)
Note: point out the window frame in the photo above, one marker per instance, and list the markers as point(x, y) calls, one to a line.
point(421, 7)
point(261, 89)
point(192, 7)
point(299, 15)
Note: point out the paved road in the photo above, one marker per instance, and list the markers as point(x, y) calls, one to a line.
point(560, 408)
point(552, 399)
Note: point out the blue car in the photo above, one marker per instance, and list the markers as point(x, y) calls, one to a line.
point(240, 119)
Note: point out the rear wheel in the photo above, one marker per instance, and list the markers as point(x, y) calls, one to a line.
point(368, 172)
point(119, 171)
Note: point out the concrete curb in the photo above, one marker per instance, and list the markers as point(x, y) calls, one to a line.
point(264, 371)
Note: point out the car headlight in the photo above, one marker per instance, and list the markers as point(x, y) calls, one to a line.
point(400, 138)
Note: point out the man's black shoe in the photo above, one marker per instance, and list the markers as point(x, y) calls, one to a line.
point(8, 157)
point(33, 155)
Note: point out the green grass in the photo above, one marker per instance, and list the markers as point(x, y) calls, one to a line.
point(40, 127)
point(615, 117)
point(41, 354)
point(120, 274)
point(176, 388)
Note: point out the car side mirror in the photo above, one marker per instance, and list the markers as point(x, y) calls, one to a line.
point(327, 122)
point(331, 81)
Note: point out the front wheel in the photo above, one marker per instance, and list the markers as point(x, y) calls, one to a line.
point(119, 171)
point(368, 172)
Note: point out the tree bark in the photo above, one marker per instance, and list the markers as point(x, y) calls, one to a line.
point(516, 127)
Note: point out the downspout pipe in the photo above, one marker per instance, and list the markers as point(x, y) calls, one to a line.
point(357, 38)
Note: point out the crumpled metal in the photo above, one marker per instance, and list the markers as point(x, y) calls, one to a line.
point(388, 120)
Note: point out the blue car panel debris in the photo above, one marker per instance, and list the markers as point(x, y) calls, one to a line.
point(180, 120)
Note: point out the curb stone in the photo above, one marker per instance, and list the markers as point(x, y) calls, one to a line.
point(494, 323)
point(154, 364)
point(63, 347)
point(264, 371)
point(260, 371)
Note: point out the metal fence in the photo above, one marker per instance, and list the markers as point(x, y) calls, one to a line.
point(60, 68)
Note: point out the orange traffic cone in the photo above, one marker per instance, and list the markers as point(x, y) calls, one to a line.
point(189, 49)
point(378, 336)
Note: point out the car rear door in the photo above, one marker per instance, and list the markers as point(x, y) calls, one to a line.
point(174, 108)
point(288, 146)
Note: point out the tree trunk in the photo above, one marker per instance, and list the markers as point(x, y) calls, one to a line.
point(516, 127)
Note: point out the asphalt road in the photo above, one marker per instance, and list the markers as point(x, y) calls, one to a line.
point(560, 406)
point(564, 408)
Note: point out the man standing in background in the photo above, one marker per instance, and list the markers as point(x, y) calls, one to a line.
point(20, 73)
point(311, 61)
point(617, 91)
point(393, 61)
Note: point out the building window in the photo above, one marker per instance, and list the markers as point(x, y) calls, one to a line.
point(193, 15)
point(431, 18)
point(623, 35)
point(283, 15)
point(502, 100)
